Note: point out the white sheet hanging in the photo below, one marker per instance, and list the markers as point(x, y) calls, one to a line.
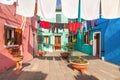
point(90, 9)
point(46, 8)
point(7, 2)
point(110, 9)
point(25, 7)
point(119, 10)
point(70, 8)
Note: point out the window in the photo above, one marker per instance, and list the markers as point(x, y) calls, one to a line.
point(40, 39)
point(12, 35)
point(86, 37)
point(72, 38)
point(58, 18)
point(46, 39)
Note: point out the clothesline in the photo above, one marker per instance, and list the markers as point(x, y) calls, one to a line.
point(89, 9)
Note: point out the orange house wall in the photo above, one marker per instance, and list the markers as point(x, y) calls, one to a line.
point(7, 15)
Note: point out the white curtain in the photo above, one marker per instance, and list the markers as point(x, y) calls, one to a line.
point(46, 8)
point(90, 9)
point(70, 8)
point(110, 9)
point(7, 2)
point(25, 7)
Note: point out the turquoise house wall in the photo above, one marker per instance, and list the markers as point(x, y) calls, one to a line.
point(80, 46)
point(51, 35)
point(64, 39)
point(86, 48)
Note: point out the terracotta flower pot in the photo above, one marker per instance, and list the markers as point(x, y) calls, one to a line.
point(80, 67)
point(17, 58)
point(64, 54)
point(40, 53)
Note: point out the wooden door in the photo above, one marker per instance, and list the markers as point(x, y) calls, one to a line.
point(57, 42)
point(97, 37)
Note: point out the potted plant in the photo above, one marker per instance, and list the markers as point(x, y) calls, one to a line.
point(64, 54)
point(68, 49)
point(40, 51)
point(79, 64)
point(11, 41)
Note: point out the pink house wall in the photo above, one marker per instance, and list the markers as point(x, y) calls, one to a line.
point(7, 15)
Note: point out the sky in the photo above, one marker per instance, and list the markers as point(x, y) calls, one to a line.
point(58, 3)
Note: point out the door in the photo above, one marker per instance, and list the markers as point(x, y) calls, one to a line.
point(57, 43)
point(96, 45)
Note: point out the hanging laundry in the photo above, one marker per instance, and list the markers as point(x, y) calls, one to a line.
point(61, 26)
point(88, 25)
point(119, 10)
point(56, 27)
point(74, 40)
point(71, 25)
point(51, 27)
point(7, 2)
point(81, 29)
point(46, 8)
point(44, 24)
point(84, 25)
point(66, 25)
point(25, 7)
point(93, 23)
point(70, 8)
point(90, 9)
point(74, 26)
point(110, 9)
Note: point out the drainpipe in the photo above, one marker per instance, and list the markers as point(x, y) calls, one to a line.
point(79, 20)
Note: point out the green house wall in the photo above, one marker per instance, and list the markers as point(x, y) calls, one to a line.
point(64, 39)
point(80, 46)
point(43, 32)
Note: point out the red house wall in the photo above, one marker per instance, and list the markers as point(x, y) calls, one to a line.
point(7, 15)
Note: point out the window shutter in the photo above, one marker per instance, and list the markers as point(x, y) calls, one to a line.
point(18, 36)
point(5, 35)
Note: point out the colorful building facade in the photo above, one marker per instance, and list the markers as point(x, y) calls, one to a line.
point(103, 40)
point(10, 26)
point(51, 41)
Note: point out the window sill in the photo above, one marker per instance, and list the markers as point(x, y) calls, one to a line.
point(11, 46)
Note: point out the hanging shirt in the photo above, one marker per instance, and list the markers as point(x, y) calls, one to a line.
point(46, 8)
point(84, 25)
point(25, 8)
point(90, 9)
point(61, 26)
point(51, 27)
point(66, 25)
point(70, 8)
point(88, 25)
point(7, 2)
point(110, 9)
point(74, 26)
point(44, 24)
point(93, 23)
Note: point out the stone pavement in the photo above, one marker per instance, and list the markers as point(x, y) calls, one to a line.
point(53, 67)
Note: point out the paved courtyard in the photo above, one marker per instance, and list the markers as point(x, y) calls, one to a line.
point(53, 67)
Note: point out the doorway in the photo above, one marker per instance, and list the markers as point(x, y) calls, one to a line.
point(96, 44)
point(57, 44)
